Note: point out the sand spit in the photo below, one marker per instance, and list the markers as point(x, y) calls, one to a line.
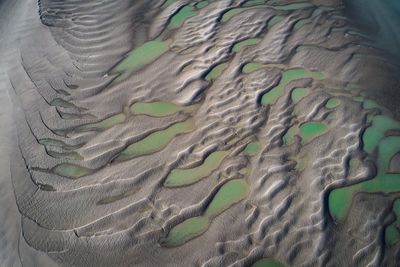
point(199, 133)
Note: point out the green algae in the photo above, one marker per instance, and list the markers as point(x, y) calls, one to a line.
point(289, 135)
point(299, 93)
point(392, 231)
point(318, 11)
point(396, 209)
point(301, 23)
point(229, 14)
point(112, 199)
point(58, 149)
point(58, 102)
point(340, 198)
point(71, 170)
point(46, 187)
point(71, 116)
point(338, 202)
point(140, 57)
point(275, 20)
point(49, 142)
point(52, 142)
point(104, 124)
point(183, 14)
point(373, 134)
point(358, 98)
point(311, 130)
point(251, 41)
point(301, 164)
point(156, 141)
point(370, 104)
point(332, 103)
point(159, 109)
point(298, 73)
point(184, 177)
point(167, 3)
point(250, 67)
point(201, 4)
point(252, 148)
point(229, 194)
point(384, 147)
point(293, 6)
point(267, 262)
point(387, 148)
point(65, 155)
point(272, 96)
point(254, 3)
point(216, 71)
point(392, 235)
point(185, 231)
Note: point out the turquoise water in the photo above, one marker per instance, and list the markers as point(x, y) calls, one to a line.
point(378, 19)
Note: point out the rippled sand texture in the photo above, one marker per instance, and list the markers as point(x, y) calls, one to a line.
point(205, 133)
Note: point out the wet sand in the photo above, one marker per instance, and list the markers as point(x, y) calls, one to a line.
point(196, 133)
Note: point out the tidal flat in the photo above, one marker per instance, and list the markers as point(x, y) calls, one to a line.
point(261, 133)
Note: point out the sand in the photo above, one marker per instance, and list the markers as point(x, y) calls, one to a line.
point(196, 133)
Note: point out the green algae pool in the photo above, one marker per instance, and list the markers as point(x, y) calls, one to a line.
point(201, 4)
point(293, 6)
point(373, 134)
point(58, 102)
point(289, 135)
point(299, 93)
point(185, 231)
point(49, 142)
point(167, 3)
point(275, 20)
point(72, 116)
point(248, 42)
point(375, 143)
point(311, 130)
point(229, 14)
point(272, 96)
point(332, 103)
point(370, 104)
point(254, 3)
point(268, 262)
point(184, 177)
point(382, 148)
point(392, 234)
point(71, 170)
point(104, 124)
point(156, 141)
point(159, 109)
point(65, 155)
point(112, 199)
point(183, 14)
point(384, 182)
point(252, 148)
point(250, 67)
point(216, 71)
point(140, 57)
point(229, 194)
point(301, 23)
